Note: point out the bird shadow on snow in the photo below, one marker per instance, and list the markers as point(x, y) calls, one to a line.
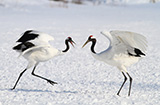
point(64, 91)
point(36, 90)
point(147, 86)
point(25, 90)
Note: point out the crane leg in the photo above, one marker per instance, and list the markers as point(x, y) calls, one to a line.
point(18, 79)
point(51, 82)
point(125, 79)
point(130, 79)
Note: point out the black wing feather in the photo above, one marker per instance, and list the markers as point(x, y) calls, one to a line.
point(23, 46)
point(28, 36)
point(138, 53)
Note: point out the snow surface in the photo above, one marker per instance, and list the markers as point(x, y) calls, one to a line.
point(82, 80)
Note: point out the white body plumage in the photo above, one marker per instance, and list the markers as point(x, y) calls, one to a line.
point(121, 44)
point(41, 51)
point(125, 48)
point(34, 47)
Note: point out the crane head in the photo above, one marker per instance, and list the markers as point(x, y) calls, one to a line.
point(69, 39)
point(90, 38)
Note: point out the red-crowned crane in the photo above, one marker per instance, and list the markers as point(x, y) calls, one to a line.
point(35, 48)
point(125, 49)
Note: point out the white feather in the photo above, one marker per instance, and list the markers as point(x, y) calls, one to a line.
point(42, 39)
point(125, 49)
point(32, 49)
point(131, 39)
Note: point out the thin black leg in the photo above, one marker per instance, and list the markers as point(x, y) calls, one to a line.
point(130, 79)
point(125, 79)
point(51, 82)
point(18, 79)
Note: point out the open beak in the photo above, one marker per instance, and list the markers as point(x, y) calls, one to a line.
point(85, 43)
point(72, 43)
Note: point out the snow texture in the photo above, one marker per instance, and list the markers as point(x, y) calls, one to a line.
point(82, 80)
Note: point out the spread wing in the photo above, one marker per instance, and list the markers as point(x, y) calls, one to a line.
point(35, 37)
point(132, 39)
point(125, 42)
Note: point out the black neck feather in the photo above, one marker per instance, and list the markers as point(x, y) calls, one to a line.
point(67, 46)
point(93, 45)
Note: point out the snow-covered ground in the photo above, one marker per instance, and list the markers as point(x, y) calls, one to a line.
point(82, 80)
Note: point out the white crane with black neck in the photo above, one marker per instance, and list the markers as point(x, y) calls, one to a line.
point(35, 48)
point(125, 49)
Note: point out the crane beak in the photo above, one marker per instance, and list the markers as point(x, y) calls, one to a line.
point(72, 43)
point(85, 43)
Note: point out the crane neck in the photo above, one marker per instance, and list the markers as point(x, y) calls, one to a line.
point(93, 45)
point(67, 46)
